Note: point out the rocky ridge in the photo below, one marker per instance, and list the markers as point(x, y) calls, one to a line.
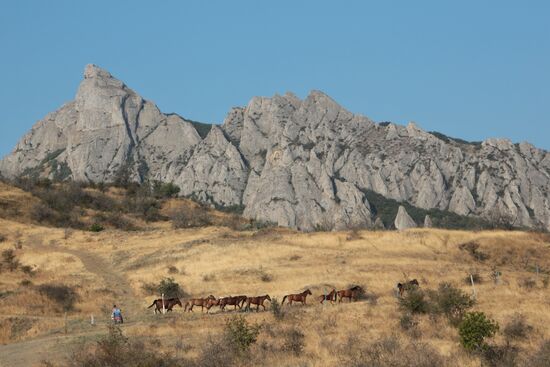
point(307, 164)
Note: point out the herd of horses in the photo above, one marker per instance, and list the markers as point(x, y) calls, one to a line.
point(239, 302)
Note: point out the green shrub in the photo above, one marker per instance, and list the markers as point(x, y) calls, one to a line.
point(170, 288)
point(392, 352)
point(63, 295)
point(478, 279)
point(191, 218)
point(147, 208)
point(240, 334)
point(265, 277)
point(293, 341)
point(472, 248)
point(217, 352)
point(474, 328)
point(115, 349)
point(96, 227)
point(163, 190)
point(451, 301)
point(208, 277)
point(517, 328)
point(25, 283)
point(42, 213)
point(9, 260)
point(527, 283)
point(28, 270)
point(276, 309)
point(407, 322)
point(500, 355)
point(541, 358)
point(415, 302)
point(116, 220)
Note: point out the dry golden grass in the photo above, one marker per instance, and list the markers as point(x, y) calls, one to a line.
point(112, 266)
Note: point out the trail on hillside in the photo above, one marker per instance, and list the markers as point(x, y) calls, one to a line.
point(113, 279)
point(54, 347)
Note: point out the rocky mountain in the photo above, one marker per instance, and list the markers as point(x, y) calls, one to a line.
point(300, 163)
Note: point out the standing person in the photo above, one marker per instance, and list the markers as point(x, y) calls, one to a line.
point(116, 315)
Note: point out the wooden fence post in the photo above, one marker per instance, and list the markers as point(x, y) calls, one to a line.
point(92, 320)
point(163, 307)
point(473, 286)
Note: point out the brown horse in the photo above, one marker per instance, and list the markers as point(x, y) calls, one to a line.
point(211, 302)
point(168, 304)
point(300, 297)
point(258, 301)
point(237, 301)
point(407, 286)
point(197, 302)
point(328, 297)
point(352, 293)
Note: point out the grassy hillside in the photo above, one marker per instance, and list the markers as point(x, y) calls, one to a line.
point(55, 272)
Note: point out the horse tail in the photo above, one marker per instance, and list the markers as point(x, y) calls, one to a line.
point(283, 302)
point(154, 303)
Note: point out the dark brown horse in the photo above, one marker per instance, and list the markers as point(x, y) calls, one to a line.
point(197, 302)
point(258, 301)
point(299, 297)
point(168, 304)
point(407, 286)
point(352, 293)
point(328, 297)
point(236, 301)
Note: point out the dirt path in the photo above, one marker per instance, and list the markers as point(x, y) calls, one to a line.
point(113, 280)
point(51, 347)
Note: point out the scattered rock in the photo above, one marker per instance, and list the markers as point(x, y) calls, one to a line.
point(378, 224)
point(428, 222)
point(403, 220)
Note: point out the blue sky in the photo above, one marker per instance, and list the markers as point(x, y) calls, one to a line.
point(469, 69)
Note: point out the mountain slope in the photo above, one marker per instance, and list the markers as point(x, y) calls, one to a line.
point(299, 163)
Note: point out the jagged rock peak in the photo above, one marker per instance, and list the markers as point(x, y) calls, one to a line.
point(300, 163)
point(94, 71)
point(403, 219)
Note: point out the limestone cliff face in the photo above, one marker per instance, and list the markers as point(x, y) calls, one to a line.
point(108, 129)
point(301, 163)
